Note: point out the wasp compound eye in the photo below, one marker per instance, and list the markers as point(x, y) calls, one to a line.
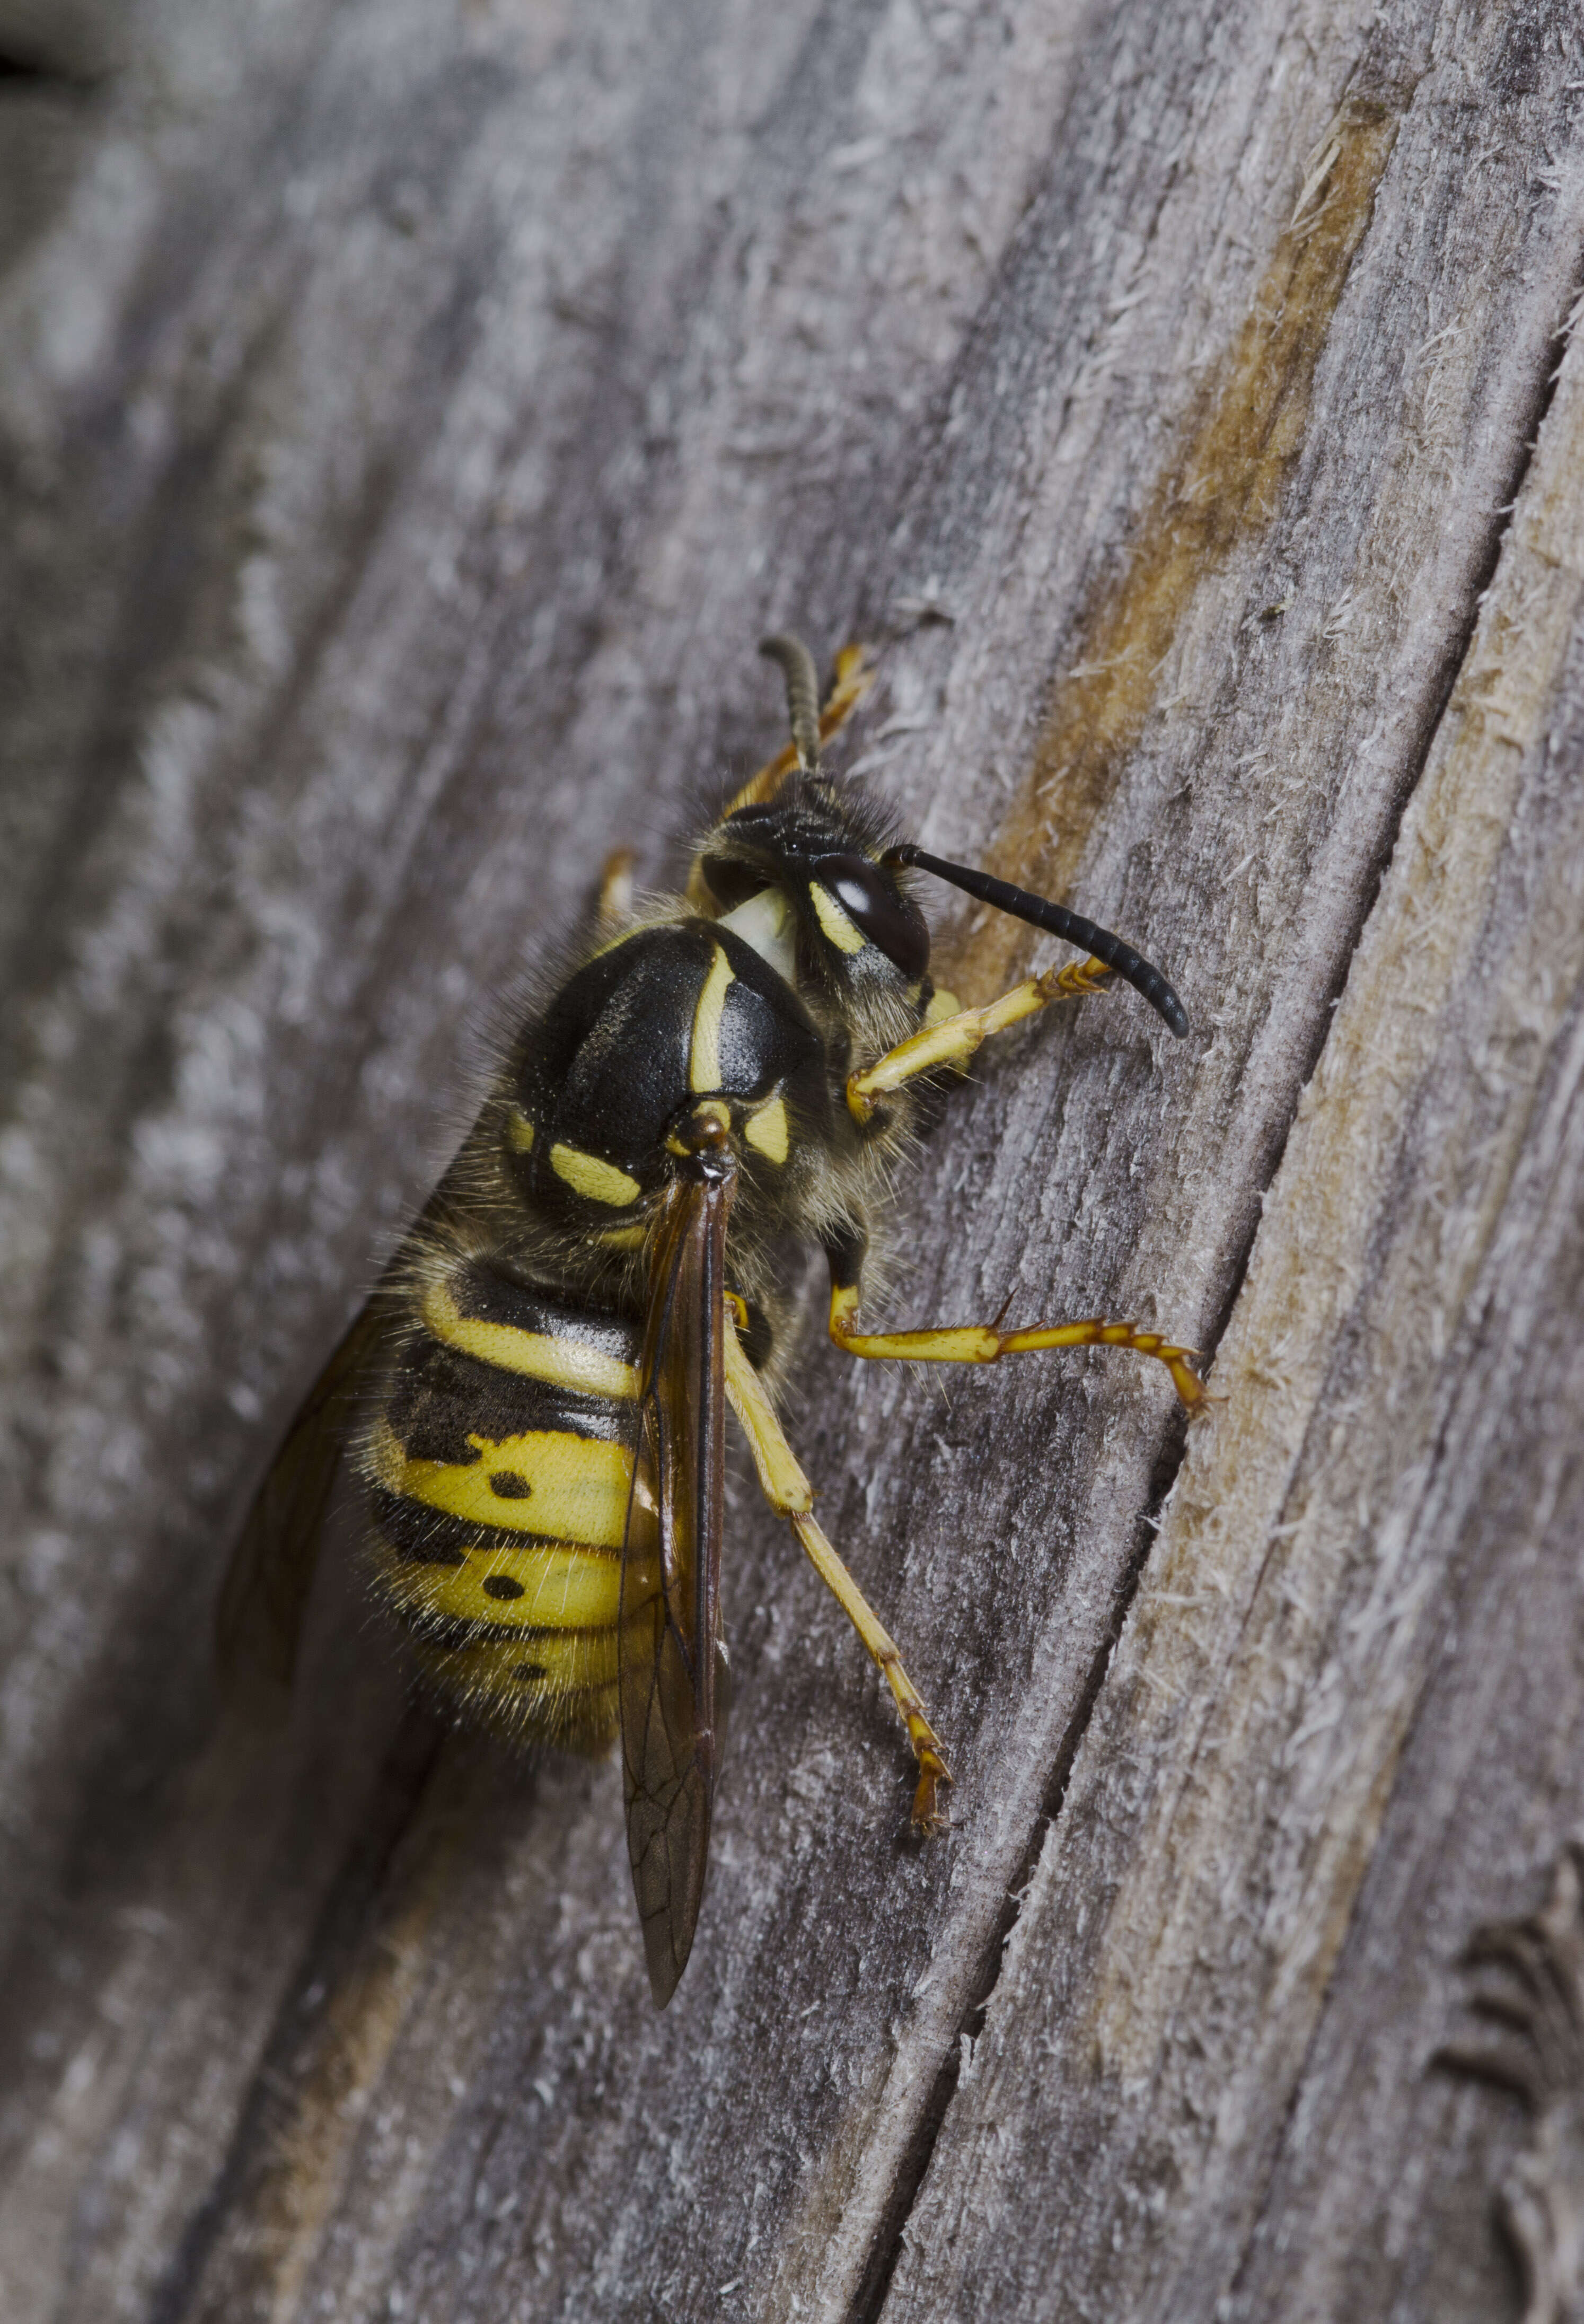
point(872, 904)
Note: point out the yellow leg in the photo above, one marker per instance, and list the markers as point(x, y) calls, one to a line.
point(614, 907)
point(983, 1344)
point(787, 1491)
point(951, 1041)
point(853, 679)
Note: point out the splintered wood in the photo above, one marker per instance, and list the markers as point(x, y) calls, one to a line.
point(412, 419)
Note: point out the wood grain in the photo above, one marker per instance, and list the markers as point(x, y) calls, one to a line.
point(412, 416)
point(1233, 1958)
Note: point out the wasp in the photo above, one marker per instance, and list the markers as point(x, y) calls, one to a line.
point(534, 1398)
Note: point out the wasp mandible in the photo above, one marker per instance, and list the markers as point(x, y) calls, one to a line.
point(534, 1398)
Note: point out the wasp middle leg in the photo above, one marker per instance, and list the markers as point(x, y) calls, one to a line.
point(789, 1492)
point(986, 1344)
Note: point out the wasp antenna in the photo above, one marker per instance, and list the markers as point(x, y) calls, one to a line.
point(1056, 921)
point(802, 696)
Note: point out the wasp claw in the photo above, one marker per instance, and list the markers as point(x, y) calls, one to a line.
point(929, 1816)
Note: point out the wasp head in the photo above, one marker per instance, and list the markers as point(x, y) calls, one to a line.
point(803, 881)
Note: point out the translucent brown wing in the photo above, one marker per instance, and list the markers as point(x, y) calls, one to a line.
point(671, 1696)
point(272, 1568)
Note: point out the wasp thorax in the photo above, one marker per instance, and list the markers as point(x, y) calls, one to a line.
point(670, 1041)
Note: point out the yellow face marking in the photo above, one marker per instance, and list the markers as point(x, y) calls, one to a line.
point(519, 1130)
point(765, 923)
point(557, 1588)
point(595, 1181)
point(578, 1486)
point(537, 1355)
point(703, 1065)
point(621, 1238)
point(834, 920)
point(766, 1131)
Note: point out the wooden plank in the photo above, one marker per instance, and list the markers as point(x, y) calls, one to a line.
point(1342, 1725)
point(446, 406)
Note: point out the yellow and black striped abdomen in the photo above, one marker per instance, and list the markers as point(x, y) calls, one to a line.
point(498, 1471)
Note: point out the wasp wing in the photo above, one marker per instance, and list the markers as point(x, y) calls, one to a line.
point(670, 1616)
point(272, 1569)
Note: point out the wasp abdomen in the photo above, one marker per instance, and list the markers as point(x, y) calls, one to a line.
point(500, 1469)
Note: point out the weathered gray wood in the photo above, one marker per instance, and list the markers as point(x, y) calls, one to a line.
point(412, 419)
point(1343, 1721)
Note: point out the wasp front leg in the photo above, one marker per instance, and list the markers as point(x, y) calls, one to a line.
point(788, 1492)
point(854, 677)
point(613, 902)
point(986, 1344)
point(948, 1041)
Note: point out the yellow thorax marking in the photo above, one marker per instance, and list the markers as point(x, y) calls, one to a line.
point(834, 921)
point(703, 1066)
point(767, 1130)
point(561, 1587)
point(537, 1355)
point(519, 1130)
point(578, 1486)
point(595, 1181)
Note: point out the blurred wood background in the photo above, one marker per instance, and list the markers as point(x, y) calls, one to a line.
point(411, 413)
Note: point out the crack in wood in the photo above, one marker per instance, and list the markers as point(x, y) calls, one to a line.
point(1248, 433)
point(1421, 742)
point(1222, 485)
point(1527, 443)
point(336, 2022)
point(820, 2109)
point(870, 2299)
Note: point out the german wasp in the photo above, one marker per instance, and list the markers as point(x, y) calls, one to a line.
point(534, 1398)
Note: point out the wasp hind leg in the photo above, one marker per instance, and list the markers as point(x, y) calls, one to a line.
point(788, 1492)
point(986, 1344)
